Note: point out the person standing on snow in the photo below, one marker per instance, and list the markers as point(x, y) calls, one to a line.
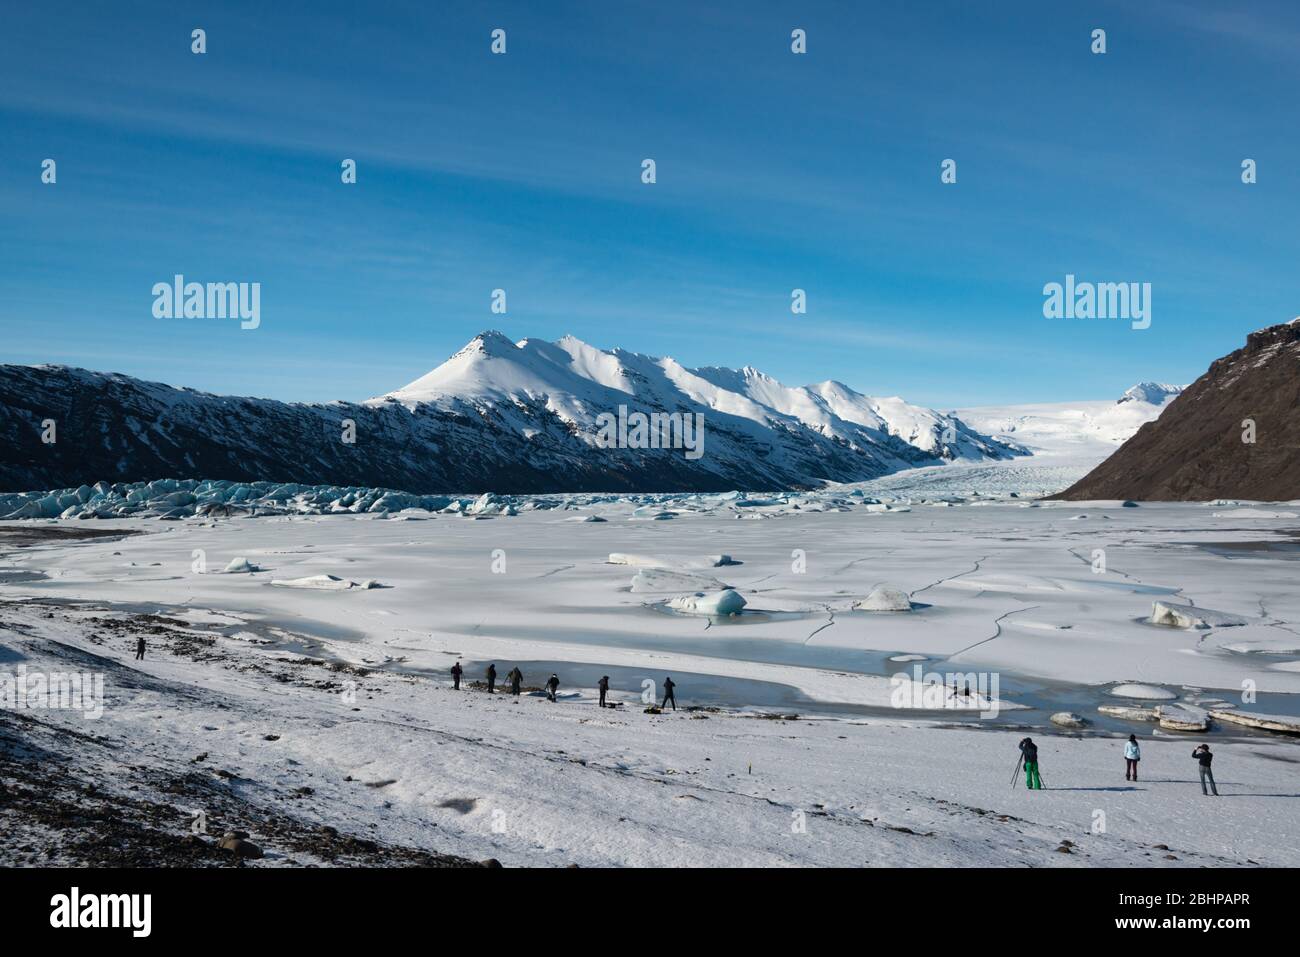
point(668, 694)
point(492, 678)
point(139, 649)
point(552, 686)
point(455, 676)
point(1202, 754)
point(1029, 751)
point(604, 688)
point(1132, 755)
point(516, 677)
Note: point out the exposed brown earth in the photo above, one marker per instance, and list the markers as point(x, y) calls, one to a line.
point(1197, 449)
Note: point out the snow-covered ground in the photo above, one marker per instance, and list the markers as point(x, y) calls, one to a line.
point(1054, 599)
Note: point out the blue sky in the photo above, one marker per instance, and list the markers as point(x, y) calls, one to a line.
point(775, 171)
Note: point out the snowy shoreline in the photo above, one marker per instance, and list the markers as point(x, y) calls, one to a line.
point(339, 766)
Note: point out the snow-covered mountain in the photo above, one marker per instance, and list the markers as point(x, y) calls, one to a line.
point(577, 382)
point(497, 416)
point(1076, 430)
point(1152, 393)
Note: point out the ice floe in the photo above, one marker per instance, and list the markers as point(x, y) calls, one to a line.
point(725, 602)
point(1148, 692)
point(654, 561)
point(1270, 646)
point(1189, 616)
point(1281, 723)
point(643, 561)
point(1182, 717)
point(325, 583)
point(885, 598)
point(1128, 712)
point(1068, 719)
point(666, 580)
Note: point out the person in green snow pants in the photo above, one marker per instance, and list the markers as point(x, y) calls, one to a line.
point(1032, 780)
point(1029, 751)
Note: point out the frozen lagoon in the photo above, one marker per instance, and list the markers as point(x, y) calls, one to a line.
point(1053, 597)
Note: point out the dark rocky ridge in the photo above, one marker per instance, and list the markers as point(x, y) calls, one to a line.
point(1194, 451)
point(115, 428)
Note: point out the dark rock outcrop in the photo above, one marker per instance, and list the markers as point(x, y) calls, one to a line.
point(1197, 449)
point(114, 428)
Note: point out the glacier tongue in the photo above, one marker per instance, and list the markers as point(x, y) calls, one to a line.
point(200, 500)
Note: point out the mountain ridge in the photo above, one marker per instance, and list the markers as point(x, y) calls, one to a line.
point(497, 415)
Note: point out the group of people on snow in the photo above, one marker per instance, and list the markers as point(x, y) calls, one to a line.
point(1028, 750)
point(516, 678)
point(1132, 755)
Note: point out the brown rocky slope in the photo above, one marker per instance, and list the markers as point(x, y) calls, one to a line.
point(1197, 449)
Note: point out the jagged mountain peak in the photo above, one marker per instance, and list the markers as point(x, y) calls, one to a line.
point(491, 342)
point(1153, 392)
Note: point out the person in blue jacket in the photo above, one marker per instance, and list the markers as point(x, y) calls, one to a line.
point(1132, 755)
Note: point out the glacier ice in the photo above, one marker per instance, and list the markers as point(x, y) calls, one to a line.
point(1190, 616)
point(187, 498)
point(725, 602)
point(885, 598)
